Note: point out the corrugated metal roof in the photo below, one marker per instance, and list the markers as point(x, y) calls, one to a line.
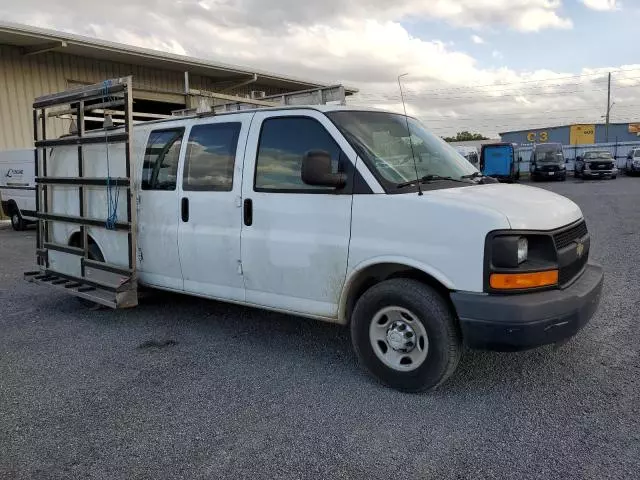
point(27, 36)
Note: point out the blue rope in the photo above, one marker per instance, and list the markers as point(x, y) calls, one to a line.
point(113, 194)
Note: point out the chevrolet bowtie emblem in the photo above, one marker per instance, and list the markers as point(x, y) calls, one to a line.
point(579, 249)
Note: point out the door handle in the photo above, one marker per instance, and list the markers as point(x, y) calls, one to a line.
point(185, 209)
point(248, 212)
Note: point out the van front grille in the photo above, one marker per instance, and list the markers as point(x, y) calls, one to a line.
point(567, 237)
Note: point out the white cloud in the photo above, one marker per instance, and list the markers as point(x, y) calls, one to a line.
point(497, 54)
point(360, 43)
point(602, 5)
point(477, 39)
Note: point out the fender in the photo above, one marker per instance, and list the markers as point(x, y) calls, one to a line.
point(354, 274)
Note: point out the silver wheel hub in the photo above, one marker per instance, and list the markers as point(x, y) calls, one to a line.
point(398, 338)
point(401, 337)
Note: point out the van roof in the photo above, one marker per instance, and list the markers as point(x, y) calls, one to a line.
point(319, 108)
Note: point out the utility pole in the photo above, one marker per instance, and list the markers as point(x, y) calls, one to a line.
point(606, 128)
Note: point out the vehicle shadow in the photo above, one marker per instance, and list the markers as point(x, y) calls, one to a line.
point(325, 347)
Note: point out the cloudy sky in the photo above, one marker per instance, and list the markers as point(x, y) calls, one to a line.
point(481, 65)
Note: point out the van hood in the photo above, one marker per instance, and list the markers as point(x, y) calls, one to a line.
point(526, 208)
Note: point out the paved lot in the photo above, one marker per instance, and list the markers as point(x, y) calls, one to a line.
point(183, 388)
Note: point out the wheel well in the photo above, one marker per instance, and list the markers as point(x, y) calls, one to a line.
point(385, 271)
point(76, 240)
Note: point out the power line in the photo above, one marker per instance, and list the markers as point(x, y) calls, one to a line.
point(474, 90)
point(602, 74)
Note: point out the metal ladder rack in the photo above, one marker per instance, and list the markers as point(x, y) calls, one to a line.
point(118, 287)
point(313, 96)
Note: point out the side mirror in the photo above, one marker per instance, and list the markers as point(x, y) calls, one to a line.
point(578, 158)
point(316, 170)
point(520, 159)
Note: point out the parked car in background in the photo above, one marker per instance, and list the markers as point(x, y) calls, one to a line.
point(500, 161)
point(632, 165)
point(17, 186)
point(598, 164)
point(547, 161)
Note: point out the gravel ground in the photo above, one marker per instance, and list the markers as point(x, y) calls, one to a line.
point(187, 388)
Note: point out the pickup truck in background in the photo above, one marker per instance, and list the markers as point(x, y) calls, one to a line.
point(596, 164)
point(17, 186)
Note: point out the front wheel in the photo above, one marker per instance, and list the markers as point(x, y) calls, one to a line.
point(405, 335)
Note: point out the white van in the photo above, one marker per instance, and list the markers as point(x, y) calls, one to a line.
point(17, 186)
point(339, 215)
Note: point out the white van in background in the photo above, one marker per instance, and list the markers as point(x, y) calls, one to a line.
point(17, 186)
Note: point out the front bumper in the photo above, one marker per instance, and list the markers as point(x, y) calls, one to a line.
point(520, 322)
point(543, 174)
point(599, 173)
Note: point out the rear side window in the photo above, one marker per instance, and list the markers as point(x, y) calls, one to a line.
point(283, 143)
point(636, 153)
point(211, 154)
point(161, 158)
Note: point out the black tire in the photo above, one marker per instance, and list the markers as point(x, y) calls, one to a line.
point(576, 174)
point(17, 222)
point(563, 178)
point(94, 254)
point(443, 349)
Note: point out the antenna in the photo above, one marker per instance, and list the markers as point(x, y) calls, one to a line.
point(413, 155)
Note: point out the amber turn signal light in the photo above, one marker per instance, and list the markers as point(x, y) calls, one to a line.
point(519, 281)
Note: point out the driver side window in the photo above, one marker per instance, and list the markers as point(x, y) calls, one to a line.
point(283, 143)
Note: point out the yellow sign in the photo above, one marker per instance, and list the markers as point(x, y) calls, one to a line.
point(634, 128)
point(582, 134)
point(533, 137)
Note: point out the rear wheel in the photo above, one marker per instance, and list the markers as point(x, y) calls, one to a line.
point(17, 222)
point(94, 253)
point(405, 335)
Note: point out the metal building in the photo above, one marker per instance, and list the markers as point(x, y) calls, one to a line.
point(576, 134)
point(35, 62)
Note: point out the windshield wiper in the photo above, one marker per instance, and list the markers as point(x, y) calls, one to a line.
point(431, 178)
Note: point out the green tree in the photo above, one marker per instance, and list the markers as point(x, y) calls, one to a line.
point(465, 136)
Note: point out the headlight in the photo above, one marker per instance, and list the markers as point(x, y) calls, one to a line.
point(562, 167)
point(523, 250)
point(509, 251)
point(520, 262)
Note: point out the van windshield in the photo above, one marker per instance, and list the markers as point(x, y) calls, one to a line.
point(597, 155)
point(383, 140)
point(549, 154)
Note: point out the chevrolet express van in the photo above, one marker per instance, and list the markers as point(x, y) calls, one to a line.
point(358, 217)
